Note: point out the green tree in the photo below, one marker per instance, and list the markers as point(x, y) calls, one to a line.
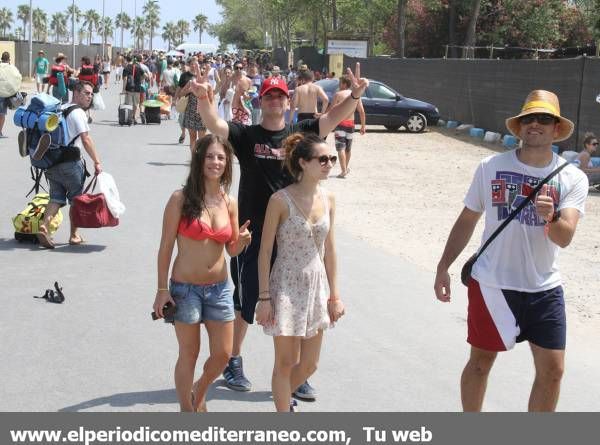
point(91, 21)
point(73, 13)
point(183, 30)
point(169, 34)
point(58, 25)
point(23, 15)
point(40, 24)
point(139, 31)
point(152, 11)
point(200, 23)
point(106, 29)
point(122, 21)
point(6, 19)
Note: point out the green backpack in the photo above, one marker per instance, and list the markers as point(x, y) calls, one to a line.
point(27, 222)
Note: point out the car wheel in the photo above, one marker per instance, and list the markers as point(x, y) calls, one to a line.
point(416, 123)
point(392, 127)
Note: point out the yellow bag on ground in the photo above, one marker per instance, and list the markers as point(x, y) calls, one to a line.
point(29, 219)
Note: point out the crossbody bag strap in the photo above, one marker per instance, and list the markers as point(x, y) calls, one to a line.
point(521, 206)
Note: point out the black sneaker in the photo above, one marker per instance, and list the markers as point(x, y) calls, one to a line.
point(305, 392)
point(42, 146)
point(22, 141)
point(234, 375)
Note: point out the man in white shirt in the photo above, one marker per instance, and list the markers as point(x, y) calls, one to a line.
point(515, 291)
point(66, 179)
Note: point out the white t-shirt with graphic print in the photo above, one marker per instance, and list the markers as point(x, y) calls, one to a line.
point(521, 257)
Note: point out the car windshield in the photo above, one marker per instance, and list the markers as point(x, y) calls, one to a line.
point(328, 84)
point(379, 91)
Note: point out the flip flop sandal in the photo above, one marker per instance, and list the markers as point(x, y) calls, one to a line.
point(45, 240)
point(59, 297)
point(51, 297)
point(77, 243)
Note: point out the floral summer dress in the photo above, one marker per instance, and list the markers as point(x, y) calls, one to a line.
point(298, 283)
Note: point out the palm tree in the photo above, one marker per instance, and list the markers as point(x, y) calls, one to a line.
point(40, 24)
point(139, 31)
point(91, 20)
point(106, 29)
point(23, 15)
point(183, 29)
point(152, 11)
point(169, 33)
point(73, 12)
point(123, 21)
point(58, 24)
point(200, 22)
point(6, 18)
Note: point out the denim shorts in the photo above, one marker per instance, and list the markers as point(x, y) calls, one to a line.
point(3, 105)
point(200, 302)
point(66, 181)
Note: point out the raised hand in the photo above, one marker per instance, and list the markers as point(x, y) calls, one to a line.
point(245, 236)
point(359, 84)
point(544, 204)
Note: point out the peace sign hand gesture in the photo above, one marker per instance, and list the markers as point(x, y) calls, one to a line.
point(201, 87)
point(359, 84)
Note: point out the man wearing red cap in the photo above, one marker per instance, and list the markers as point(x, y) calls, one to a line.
point(258, 149)
point(514, 289)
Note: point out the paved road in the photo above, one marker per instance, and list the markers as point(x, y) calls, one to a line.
point(396, 350)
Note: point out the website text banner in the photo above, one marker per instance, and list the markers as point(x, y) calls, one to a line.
point(309, 428)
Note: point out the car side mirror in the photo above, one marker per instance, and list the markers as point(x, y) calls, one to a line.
point(398, 97)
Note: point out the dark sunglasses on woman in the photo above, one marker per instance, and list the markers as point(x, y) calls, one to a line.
point(324, 159)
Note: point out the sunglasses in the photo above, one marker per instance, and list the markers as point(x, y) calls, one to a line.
point(239, 68)
point(594, 143)
point(540, 118)
point(324, 159)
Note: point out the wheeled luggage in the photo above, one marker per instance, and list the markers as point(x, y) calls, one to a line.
point(152, 111)
point(125, 113)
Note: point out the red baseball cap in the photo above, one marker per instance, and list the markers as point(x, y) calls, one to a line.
point(274, 83)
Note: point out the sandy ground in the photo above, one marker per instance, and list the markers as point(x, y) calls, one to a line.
point(405, 191)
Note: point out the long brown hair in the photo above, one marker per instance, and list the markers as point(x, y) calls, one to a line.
point(193, 190)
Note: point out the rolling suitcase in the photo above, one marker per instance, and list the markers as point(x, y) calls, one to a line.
point(125, 113)
point(152, 115)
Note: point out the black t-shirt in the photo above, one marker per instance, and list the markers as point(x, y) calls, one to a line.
point(261, 165)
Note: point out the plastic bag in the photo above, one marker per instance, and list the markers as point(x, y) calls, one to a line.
point(107, 185)
point(98, 102)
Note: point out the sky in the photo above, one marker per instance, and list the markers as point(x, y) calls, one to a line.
point(169, 11)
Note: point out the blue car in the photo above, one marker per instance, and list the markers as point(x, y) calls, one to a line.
point(385, 106)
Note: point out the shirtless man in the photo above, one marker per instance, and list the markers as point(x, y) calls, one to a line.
point(239, 112)
point(344, 130)
point(305, 98)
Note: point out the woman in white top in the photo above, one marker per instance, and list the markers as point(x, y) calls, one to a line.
point(106, 70)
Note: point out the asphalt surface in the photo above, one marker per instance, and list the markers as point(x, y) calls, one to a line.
point(397, 349)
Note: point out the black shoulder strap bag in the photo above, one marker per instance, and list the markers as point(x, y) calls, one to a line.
point(465, 273)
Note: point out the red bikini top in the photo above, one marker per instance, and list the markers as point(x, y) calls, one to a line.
point(199, 230)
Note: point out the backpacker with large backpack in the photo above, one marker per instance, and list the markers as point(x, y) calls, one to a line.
point(45, 135)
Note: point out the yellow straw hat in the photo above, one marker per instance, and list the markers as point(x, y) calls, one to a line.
point(546, 102)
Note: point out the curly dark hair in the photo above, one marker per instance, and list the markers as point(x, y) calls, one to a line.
point(193, 190)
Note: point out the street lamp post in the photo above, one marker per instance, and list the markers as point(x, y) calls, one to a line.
point(30, 38)
point(103, 31)
point(73, 31)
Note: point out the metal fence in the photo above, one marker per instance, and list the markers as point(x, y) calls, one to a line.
point(485, 92)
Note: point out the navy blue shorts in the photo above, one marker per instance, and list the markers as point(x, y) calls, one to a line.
point(499, 318)
point(244, 274)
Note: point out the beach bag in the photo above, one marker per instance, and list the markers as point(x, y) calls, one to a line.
point(10, 80)
point(27, 222)
point(90, 210)
point(98, 102)
point(108, 187)
point(182, 104)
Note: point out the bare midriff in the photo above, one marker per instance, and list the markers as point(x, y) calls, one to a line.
point(199, 262)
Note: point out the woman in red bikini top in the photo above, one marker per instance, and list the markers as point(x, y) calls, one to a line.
point(203, 220)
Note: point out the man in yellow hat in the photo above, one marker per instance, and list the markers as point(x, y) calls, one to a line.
point(515, 291)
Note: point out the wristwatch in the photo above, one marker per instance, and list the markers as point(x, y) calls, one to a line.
point(555, 217)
